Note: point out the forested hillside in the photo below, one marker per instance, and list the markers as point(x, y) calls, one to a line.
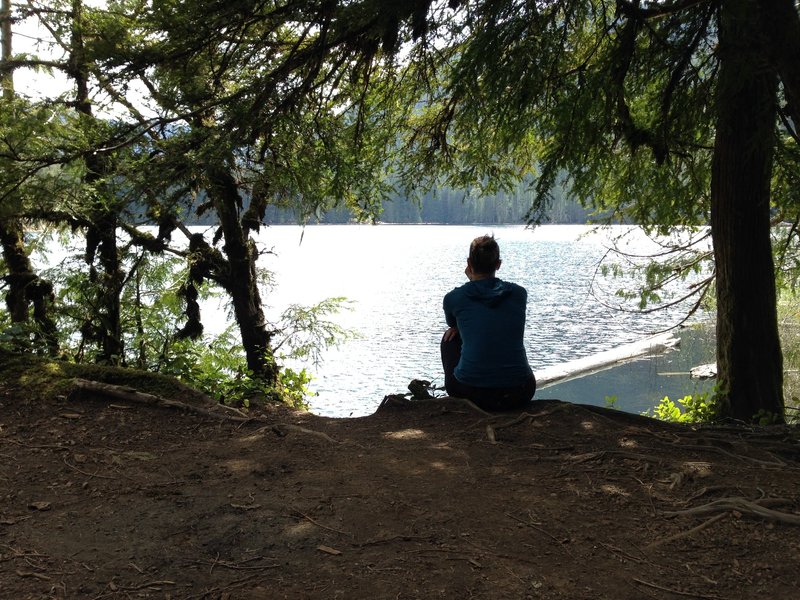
point(458, 207)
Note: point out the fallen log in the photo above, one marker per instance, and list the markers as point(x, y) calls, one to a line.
point(581, 367)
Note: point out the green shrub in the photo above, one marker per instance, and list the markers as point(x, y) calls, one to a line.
point(701, 408)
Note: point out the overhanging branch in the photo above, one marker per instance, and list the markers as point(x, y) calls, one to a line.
point(662, 10)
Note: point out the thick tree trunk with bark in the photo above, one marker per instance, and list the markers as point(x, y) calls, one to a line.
point(750, 365)
point(780, 25)
point(241, 281)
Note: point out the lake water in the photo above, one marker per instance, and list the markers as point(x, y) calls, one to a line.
point(396, 276)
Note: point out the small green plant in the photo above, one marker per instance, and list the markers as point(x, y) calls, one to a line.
point(700, 408)
point(611, 401)
point(789, 327)
point(294, 387)
point(764, 417)
point(217, 366)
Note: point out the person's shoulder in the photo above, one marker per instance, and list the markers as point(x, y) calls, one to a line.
point(515, 287)
point(454, 293)
point(516, 291)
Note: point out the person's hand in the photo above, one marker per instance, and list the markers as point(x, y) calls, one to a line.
point(451, 333)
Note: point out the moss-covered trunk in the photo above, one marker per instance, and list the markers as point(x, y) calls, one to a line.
point(241, 281)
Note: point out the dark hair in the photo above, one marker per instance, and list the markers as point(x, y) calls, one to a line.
point(484, 254)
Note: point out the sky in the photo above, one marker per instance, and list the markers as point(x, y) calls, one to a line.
point(29, 37)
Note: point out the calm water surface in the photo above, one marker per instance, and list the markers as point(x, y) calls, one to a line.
point(396, 276)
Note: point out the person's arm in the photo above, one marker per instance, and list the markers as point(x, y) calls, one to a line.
point(451, 333)
point(450, 318)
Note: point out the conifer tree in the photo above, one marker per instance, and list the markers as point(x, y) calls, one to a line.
point(673, 112)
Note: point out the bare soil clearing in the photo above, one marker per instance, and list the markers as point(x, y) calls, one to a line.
point(424, 499)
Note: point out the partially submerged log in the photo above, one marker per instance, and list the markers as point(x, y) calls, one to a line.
point(573, 369)
point(707, 371)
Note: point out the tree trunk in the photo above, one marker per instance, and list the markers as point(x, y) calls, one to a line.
point(5, 47)
point(780, 24)
point(24, 286)
point(101, 243)
point(241, 282)
point(101, 235)
point(750, 364)
point(19, 272)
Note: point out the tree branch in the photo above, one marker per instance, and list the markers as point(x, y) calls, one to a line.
point(656, 12)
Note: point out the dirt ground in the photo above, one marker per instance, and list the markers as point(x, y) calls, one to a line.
point(431, 499)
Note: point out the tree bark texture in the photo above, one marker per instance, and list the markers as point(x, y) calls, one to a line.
point(5, 47)
point(241, 282)
point(750, 365)
point(780, 24)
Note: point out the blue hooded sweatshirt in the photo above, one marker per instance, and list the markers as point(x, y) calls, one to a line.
point(490, 316)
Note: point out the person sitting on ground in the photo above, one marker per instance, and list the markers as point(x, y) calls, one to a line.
point(483, 353)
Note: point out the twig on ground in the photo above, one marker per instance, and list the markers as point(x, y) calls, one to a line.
point(143, 586)
point(635, 456)
point(532, 525)
point(74, 468)
point(235, 567)
point(620, 552)
point(705, 491)
point(39, 446)
point(394, 538)
point(33, 574)
point(685, 534)
point(235, 410)
point(674, 591)
point(219, 592)
point(318, 524)
point(319, 434)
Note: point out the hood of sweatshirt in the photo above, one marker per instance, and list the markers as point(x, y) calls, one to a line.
point(491, 292)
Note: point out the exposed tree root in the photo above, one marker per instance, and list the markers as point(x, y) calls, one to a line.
point(741, 505)
point(131, 395)
point(775, 462)
point(688, 533)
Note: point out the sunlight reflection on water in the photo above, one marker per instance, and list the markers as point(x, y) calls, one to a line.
point(396, 276)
